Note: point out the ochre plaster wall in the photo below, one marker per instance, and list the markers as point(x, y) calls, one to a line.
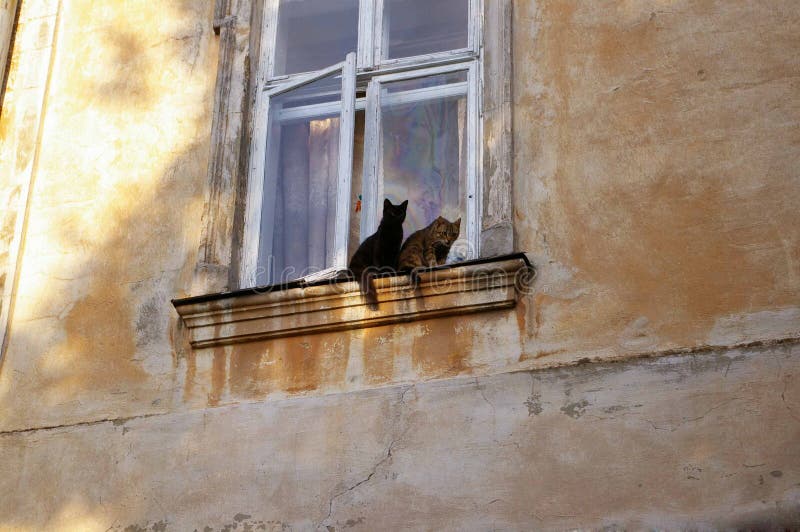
point(655, 184)
point(656, 179)
point(118, 170)
point(656, 175)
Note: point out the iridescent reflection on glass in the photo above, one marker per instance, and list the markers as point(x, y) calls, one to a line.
point(299, 207)
point(424, 142)
point(313, 34)
point(417, 27)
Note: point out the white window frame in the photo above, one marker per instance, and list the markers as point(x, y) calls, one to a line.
point(255, 210)
point(368, 66)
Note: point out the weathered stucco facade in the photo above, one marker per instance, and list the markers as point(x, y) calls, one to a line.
point(649, 378)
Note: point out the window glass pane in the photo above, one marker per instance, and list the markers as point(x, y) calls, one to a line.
point(299, 204)
point(313, 34)
point(416, 27)
point(423, 147)
point(327, 90)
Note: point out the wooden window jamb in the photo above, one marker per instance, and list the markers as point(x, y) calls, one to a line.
point(366, 34)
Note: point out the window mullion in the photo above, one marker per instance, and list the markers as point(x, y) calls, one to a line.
point(379, 37)
point(306, 79)
point(366, 34)
point(475, 25)
point(269, 24)
point(370, 194)
point(343, 190)
point(423, 71)
point(427, 94)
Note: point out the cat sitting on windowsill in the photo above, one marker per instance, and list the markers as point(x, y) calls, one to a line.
point(429, 246)
point(381, 252)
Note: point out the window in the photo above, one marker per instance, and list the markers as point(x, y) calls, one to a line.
point(360, 100)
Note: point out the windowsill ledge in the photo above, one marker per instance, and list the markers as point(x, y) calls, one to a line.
point(297, 309)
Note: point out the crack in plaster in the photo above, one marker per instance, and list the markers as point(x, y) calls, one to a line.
point(783, 399)
point(407, 389)
point(117, 421)
point(363, 481)
point(480, 391)
point(686, 420)
point(698, 350)
point(375, 468)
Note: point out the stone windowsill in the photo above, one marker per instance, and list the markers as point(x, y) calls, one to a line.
point(296, 308)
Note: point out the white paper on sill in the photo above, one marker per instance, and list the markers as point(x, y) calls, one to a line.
point(322, 275)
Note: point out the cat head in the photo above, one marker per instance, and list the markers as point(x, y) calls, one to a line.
point(394, 212)
point(445, 230)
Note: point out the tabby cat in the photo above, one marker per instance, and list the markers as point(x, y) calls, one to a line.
point(429, 246)
point(380, 251)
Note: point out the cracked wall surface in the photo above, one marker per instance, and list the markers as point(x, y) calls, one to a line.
point(656, 179)
point(678, 442)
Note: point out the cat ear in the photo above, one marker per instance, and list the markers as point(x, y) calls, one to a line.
point(457, 223)
point(404, 204)
point(387, 203)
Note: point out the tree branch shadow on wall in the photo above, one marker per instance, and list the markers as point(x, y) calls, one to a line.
point(109, 244)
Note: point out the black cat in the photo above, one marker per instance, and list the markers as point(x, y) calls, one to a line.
point(379, 252)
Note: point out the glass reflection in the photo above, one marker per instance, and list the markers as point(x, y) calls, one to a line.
point(417, 27)
point(424, 142)
point(313, 34)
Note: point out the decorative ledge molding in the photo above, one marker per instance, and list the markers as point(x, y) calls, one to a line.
point(295, 309)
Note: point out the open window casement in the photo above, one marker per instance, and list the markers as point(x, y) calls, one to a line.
point(299, 190)
point(421, 135)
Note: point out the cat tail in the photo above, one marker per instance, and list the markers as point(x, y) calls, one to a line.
point(366, 283)
point(368, 289)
